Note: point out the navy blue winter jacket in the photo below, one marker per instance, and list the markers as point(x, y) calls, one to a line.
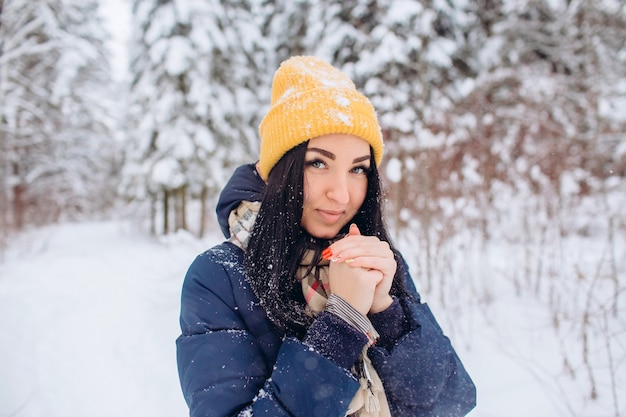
point(233, 361)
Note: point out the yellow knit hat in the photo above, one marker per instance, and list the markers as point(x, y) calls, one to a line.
point(311, 98)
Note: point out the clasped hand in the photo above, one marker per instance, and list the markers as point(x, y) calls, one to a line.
point(362, 271)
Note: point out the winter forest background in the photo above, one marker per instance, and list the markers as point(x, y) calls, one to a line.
point(505, 165)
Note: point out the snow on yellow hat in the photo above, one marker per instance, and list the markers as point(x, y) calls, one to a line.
point(311, 98)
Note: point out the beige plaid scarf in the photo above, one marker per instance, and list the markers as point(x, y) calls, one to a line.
point(370, 399)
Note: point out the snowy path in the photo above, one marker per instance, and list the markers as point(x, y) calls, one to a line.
point(89, 317)
point(88, 320)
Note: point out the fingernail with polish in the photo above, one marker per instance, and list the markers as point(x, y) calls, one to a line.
point(327, 253)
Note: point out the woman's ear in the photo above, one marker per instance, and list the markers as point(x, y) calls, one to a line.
point(258, 171)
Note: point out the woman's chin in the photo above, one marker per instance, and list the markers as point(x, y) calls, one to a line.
point(324, 233)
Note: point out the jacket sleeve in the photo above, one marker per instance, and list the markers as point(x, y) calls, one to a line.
point(421, 372)
point(223, 370)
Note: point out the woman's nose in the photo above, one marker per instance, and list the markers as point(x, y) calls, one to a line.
point(338, 189)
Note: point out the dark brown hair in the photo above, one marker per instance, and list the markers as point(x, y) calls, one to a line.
point(278, 241)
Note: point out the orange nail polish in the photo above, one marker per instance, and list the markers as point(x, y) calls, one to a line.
point(327, 253)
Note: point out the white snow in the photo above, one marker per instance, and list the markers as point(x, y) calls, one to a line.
point(89, 318)
point(117, 15)
point(180, 54)
point(88, 314)
point(394, 170)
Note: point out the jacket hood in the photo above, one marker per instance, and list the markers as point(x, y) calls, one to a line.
point(244, 185)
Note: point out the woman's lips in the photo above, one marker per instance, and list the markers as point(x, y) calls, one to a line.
point(330, 216)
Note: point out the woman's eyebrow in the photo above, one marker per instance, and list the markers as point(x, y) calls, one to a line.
point(361, 159)
point(332, 156)
point(323, 152)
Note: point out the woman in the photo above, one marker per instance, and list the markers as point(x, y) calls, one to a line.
point(307, 309)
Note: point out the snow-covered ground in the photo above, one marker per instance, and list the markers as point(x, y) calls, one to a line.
point(89, 316)
point(88, 319)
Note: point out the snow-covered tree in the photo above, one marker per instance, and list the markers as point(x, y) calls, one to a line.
point(53, 127)
point(549, 86)
point(548, 112)
point(194, 106)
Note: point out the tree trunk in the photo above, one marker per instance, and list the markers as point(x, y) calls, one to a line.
point(203, 215)
point(183, 207)
point(166, 211)
point(180, 209)
point(153, 214)
point(18, 206)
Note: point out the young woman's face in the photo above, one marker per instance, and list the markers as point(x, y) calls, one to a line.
point(335, 182)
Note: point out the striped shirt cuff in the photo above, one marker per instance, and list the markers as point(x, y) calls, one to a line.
point(342, 309)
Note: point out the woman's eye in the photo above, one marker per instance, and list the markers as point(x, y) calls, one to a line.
point(360, 170)
point(316, 164)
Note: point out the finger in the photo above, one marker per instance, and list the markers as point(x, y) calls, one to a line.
point(332, 253)
point(356, 242)
point(363, 247)
point(384, 265)
point(354, 230)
